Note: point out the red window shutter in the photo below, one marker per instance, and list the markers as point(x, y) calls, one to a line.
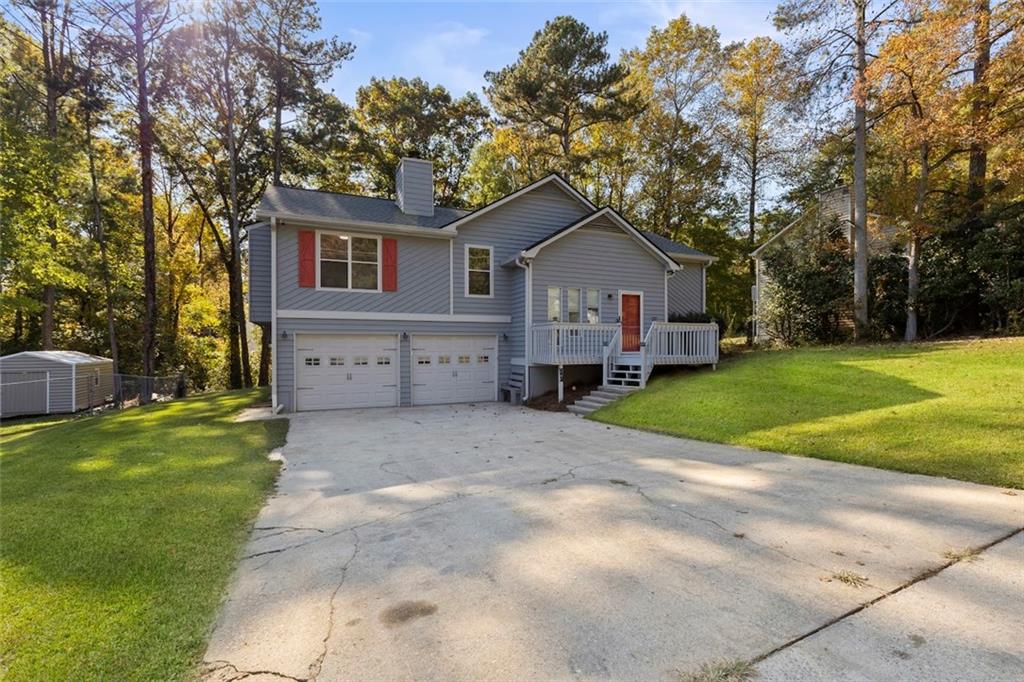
point(307, 258)
point(389, 276)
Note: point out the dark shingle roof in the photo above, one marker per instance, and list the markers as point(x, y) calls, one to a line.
point(674, 248)
point(315, 204)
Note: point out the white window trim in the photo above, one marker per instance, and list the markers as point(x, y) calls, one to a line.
point(350, 236)
point(465, 270)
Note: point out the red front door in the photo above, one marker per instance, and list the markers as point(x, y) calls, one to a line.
point(630, 323)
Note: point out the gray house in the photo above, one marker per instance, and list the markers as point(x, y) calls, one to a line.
point(374, 302)
point(828, 218)
point(53, 381)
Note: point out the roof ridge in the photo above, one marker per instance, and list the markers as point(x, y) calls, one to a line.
point(355, 196)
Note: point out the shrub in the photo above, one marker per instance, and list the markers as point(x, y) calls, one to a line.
point(700, 317)
point(809, 295)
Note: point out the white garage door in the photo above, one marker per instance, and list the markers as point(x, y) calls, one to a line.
point(453, 369)
point(335, 371)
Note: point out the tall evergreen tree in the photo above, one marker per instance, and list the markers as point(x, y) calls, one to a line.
point(562, 84)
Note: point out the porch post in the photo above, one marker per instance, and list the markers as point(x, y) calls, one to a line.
point(561, 383)
point(643, 364)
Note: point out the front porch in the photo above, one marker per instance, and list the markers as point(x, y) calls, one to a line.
point(626, 356)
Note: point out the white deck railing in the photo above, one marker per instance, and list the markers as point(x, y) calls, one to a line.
point(682, 343)
point(611, 351)
point(569, 343)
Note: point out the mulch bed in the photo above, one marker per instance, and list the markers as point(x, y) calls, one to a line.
point(549, 401)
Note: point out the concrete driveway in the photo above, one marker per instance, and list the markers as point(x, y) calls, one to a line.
point(492, 542)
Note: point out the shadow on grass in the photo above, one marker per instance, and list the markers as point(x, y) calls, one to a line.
point(764, 391)
point(128, 524)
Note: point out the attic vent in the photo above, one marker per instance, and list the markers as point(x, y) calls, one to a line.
point(414, 187)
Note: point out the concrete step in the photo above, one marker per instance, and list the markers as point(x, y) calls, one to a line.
point(618, 390)
point(581, 411)
point(591, 404)
point(610, 394)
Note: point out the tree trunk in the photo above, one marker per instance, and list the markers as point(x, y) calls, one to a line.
point(237, 312)
point(47, 22)
point(913, 287)
point(278, 105)
point(914, 257)
point(860, 198)
point(148, 236)
point(751, 230)
point(980, 107)
point(19, 327)
point(264, 377)
point(101, 239)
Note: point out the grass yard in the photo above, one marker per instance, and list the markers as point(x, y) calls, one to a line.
point(119, 534)
point(953, 409)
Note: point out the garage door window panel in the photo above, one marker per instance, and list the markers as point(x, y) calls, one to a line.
point(349, 262)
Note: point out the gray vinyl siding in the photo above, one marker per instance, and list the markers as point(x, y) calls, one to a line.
point(606, 259)
point(284, 360)
point(422, 279)
point(414, 187)
point(686, 290)
point(509, 229)
point(517, 333)
point(259, 273)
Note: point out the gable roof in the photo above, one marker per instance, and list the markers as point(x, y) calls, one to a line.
point(67, 357)
point(551, 178)
point(535, 248)
point(677, 249)
point(294, 202)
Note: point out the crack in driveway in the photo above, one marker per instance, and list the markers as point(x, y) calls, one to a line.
point(317, 664)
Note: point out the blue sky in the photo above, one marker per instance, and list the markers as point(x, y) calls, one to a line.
point(454, 43)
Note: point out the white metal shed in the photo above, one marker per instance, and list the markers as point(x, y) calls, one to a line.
point(53, 381)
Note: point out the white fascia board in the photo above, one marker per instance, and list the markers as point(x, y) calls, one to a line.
point(778, 235)
point(690, 258)
point(381, 228)
point(618, 220)
point(569, 189)
point(294, 314)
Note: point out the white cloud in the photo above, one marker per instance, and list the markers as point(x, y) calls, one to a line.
point(734, 19)
point(360, 37)
point(439, 55)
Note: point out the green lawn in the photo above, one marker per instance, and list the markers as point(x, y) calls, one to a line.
point(951, 409)
point(119, 534)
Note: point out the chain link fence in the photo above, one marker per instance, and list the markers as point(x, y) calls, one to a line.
point(36, 393)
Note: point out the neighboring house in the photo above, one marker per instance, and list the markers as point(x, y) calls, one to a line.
point(831, 216)
point(53, 381)
point(374, 302)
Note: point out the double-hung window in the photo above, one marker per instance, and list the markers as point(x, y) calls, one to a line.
point(349, 262)
point(554, 304)
point(593, 306)
point(479, 262)
point(572, 305)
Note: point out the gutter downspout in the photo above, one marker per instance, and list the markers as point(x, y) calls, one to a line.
point(274, 405)
point(74, 388)
point(523, 263)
